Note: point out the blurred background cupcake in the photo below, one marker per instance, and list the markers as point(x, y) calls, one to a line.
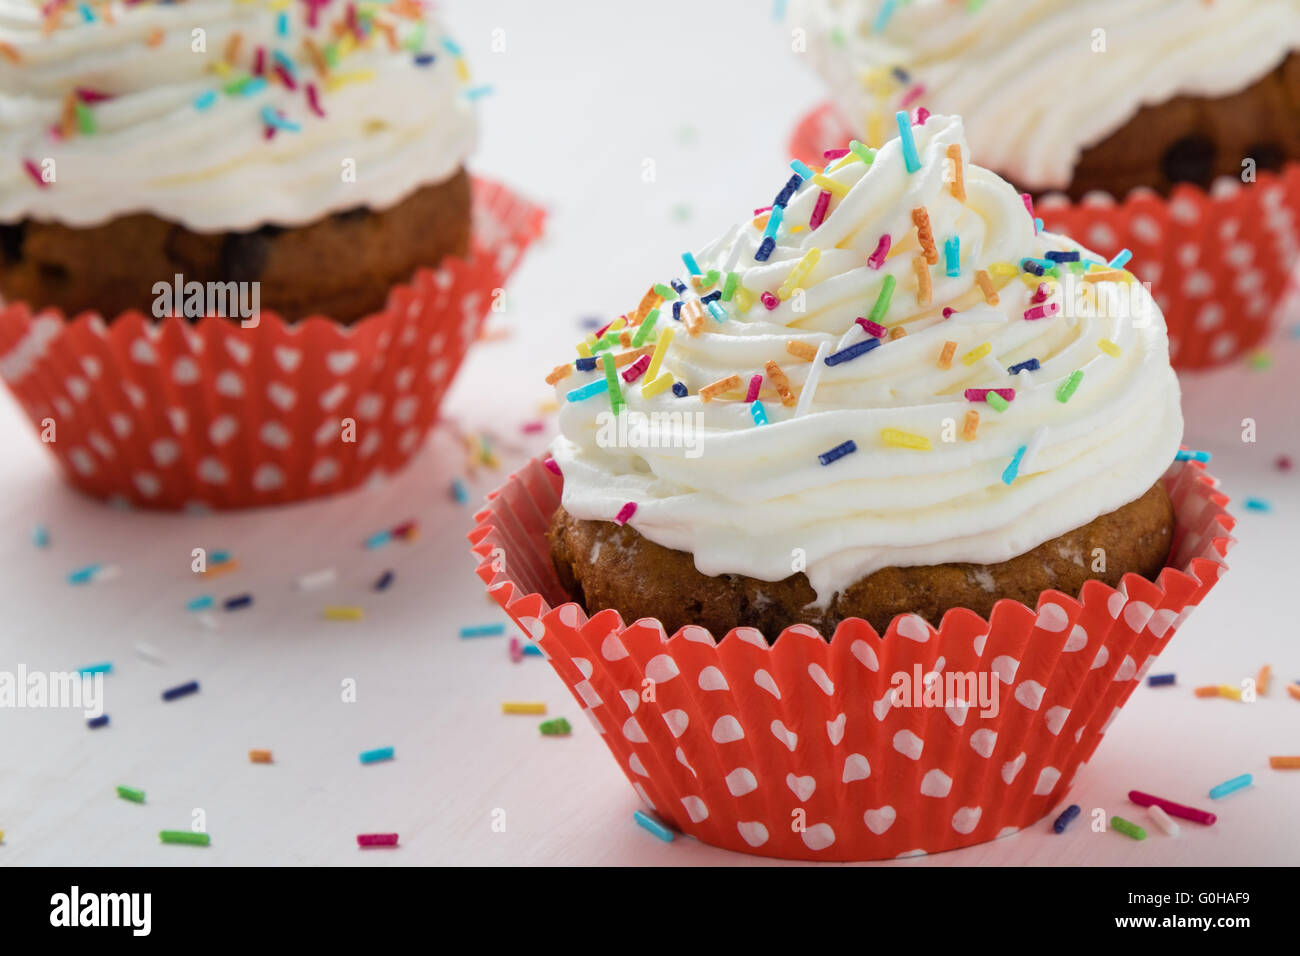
point(242, 167)
point(1180, 143)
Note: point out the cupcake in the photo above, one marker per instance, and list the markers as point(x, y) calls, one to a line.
point(886, 430)
point(263, 204)
point(1179, 164)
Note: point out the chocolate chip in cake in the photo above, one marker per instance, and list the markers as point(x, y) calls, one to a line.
point(244, 254)
point(352, 215)
point(11, 240)
point(1189, 160)
point(1268, 156)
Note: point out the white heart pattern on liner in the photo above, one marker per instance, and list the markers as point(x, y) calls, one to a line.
point(880, 820)
point(786, 736)
point(835, 729)
point(801, 787)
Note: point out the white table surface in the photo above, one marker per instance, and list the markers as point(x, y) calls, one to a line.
point(709, 92)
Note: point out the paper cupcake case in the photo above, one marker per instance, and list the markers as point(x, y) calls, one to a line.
point(177, 414)
point(795, 750)
point(1219, 262)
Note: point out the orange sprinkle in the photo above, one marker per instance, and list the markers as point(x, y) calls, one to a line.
point(155, 37)
point(259, 756)
point(52, 22)
point(627, 358)
point(10, 53)
point(801, 350)
point(318, 61)
point(650, 300)
point(921, 218)
point(232, 48)
point(1284, 763)
point(693, 316)
point(390, 34)
point(68, 123)
point(1293, 690)
point(760, 222)
point(897, 332)
point(782, 384)
point(945, 357)
point(1105, 275)
point(625, 339)
point(986, 286)
point(970, 425)
point(922, 281)
point(225, 567)
point(708, 392)
point(1209, 690)
point(559, 374)
point(958, 185)
point(1263, 680)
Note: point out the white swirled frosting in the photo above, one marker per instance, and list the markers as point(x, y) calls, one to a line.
point(1006, 66)
point(754, 499)
point(390, 124)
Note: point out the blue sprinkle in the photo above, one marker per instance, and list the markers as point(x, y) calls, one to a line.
point(692, 266)
point(40, 537)
point(679, 389)
point(1032, 267)
point(478, 92)
point(219, 557)
point(765, 249)
point(788, 190)
point(883, 17)
point(271, 118)
point(1028, 365)
point(200, 603)
point(586, 364)
point(910, 159)
point(451, 46)
point(378, 754)
point(181, 690)
point(377, 540)
point(713, 296)
point(282, 23)
point(1038, 225)
point(758, 412)
point(1067, 815)
point(1121, 259)
point(678, 286)
point(106, 667)
point(588, 390)
point(1192, 456)
point(717, 311)
point(952, 255)
point(1230, 786)
point(853, 351)
point(677, 310)
point(902, 75)
point(647, 822)
point(424, 59)
point(459, 492)
point(1160, 680)
point(1013, 469)
point(1062, 256)
point(385, 580)
point(100, 721)
point(801, 168)
point(774, 221)
point(532, 650)
point(1258, 504)
point(283, 60)
point(838, 452)
point(238, 601)
point(205, 99)
point(82, 575)
point(483, 630)
point(256, 85)
point(86, 13)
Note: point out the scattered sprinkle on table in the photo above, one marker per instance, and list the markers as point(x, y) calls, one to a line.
point(259, 756)
point(1127, 828)
point(1230, 786)
point(1067, 816)
point(237, 602)
point(1207, 690)
point(317, 579)
point(1185, 455)
point(1163, 822)
point(40, 537)
point(378, 754)
point(369, 840)
point(532, 650)
point(147, 652)
point(559, 727)
point(1160, 680)
point(100, 721)
point(459, 491)
point(646, 822)
point(1173, 809)
point(1263, 679)
point(181, 690)
point(185, 836)
point(1284, 763)
point(104, 667)
point(483, 630)
point(523, 707)
point(1258, 504)
point(1230, 692)
point(130, 793)
point(384, 581)
point(200, 603)
point(337, 612)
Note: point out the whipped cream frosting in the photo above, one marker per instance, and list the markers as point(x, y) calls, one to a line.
point(755, 499)
point(1006, 66)
point(180, 137)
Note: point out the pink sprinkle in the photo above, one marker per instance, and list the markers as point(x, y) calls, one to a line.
point(531, 428)
point(312, 99)
point(625, 513)
point(259, 61)
point(981, 394)
point(268, 133)
point(376, 839)
point(1041, 294)
point(832, 154)
point(1283, 462)
point(922, 114)
point(911, 96)
point(949, 312)
point(633, 371)
point(761, 210)
point(877, 258)
point(770, 301)
point(1028, 200)
point(603, 329)
point(551, 465)
point(1042, 311)
point(819, 210)
point(34, 171)
point(516, 650)
point(285, 76)
point(872, 328)
point(755, 384)
point(92, 96)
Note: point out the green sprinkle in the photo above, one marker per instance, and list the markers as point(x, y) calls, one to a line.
point(665, 292)
point(729, 287)
point(837, 36)
point(559, 727)
point(416, 40)
point(710, 279)
point(1069, 385)
point(647, 324)
point(130, 793)
point(997, 401)
point(616, 400)
point(882, 301)
point(184, 836)
point(864, 153)
point(1128, 829)
point(85, 119)
point(603, 344)
point(235, 87)
point(331, 52)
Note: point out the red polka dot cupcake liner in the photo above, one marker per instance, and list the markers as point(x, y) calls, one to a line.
point(816, 750)
point(1219, 263)
point(180, 414)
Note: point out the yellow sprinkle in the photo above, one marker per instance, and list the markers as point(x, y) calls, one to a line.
point(219, 67)
point(744, 299)
point(548, 406)
point(651, 389)
point(584, 349)
point(799, 272)
point(343, 613)
point(346, 45)
point(830, 185)
point(901, 439)
point(842, 162)
point(977, 353)
point(875, 127)
point(1031, 280)
point(1005, 269)
point(661, 347)
point(1109, 347)
point(343, 79)
point(522, 707)
point(1227, 690)
point(462, 69)
point(794, 229)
